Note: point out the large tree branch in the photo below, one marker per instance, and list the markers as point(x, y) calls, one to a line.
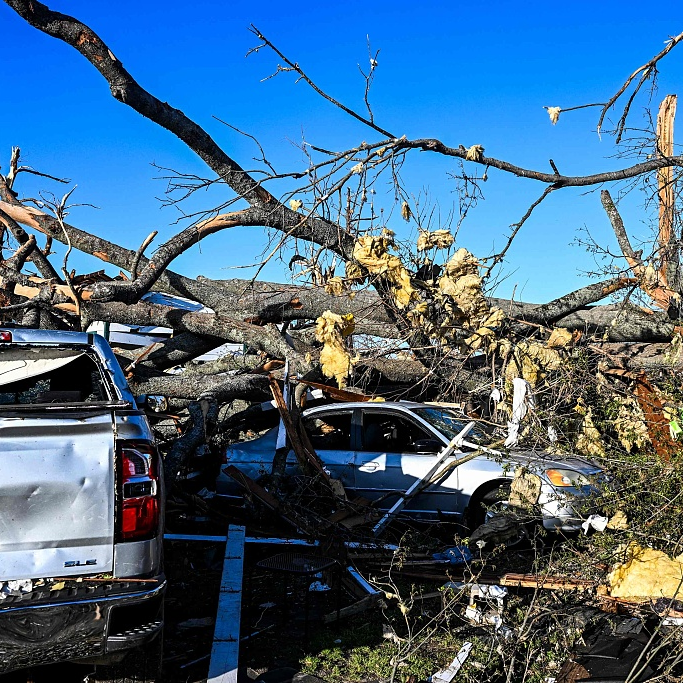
point(125, 89)
point(547, 314)
point(267, 339)
point(555, 180)
point(619, 230)
point(651, 281)
point(221, 387)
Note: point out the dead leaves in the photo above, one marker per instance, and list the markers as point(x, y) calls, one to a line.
point(406, 212)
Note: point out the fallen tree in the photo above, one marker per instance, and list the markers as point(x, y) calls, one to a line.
point(425, 299)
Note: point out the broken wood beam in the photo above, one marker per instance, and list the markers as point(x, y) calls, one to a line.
point(546, 582)
point(307, 461)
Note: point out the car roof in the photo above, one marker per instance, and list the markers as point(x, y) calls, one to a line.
point(31, 336)
point(375, 405)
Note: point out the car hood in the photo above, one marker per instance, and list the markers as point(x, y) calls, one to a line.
point(543, 461)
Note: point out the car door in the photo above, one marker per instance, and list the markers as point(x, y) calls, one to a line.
point(330, 435)
point(387, 463)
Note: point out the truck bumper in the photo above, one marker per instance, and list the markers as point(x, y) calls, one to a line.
point(75, 626)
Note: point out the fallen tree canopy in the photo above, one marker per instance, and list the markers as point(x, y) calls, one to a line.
point(401, 318)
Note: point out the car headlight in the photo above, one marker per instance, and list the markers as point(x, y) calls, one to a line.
point(564, 478)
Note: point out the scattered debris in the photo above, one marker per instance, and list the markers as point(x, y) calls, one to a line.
point(447, 675)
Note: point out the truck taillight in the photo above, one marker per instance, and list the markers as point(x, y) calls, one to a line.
point(138, 490)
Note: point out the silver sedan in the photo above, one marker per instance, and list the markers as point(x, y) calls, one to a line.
point(378, 450)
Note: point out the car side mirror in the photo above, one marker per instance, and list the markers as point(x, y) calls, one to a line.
point(158, 404)
point(427, 446)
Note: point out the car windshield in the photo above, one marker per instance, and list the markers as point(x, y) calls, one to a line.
point(450, 423)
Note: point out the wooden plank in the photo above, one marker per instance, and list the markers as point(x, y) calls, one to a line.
point(309, 462)
point(225, 651)
point(356, 608)
point(512, 580)
point(546, 582)
point(270, 501)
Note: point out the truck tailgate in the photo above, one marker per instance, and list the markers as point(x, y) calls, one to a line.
point(56, 494)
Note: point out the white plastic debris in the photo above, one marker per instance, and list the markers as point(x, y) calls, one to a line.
point(489, 594)
point(14, 588)
point(475, 615)
point(598, 522)
point(318, 586)
point(447, 675)
point(522, 403)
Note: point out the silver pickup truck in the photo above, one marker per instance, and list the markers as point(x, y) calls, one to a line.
point(81, 504)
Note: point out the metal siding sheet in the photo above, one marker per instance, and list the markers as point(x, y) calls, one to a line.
point(225, 650)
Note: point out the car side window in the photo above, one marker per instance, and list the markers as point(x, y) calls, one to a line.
point(330, 432)
point(390, 433)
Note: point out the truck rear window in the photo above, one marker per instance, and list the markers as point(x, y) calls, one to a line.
point(31, 375)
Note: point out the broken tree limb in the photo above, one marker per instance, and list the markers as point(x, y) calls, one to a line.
point(668, 246)
point(45, 268)
point(203, 416)
point(559, 308)
point(649, 279)
point(308, 461)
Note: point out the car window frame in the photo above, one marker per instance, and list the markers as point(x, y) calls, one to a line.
point(320, 414)
point(409, 417)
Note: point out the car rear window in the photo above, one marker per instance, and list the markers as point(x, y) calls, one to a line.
point(32, 375)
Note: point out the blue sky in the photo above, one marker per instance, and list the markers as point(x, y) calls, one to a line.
point(467, 73)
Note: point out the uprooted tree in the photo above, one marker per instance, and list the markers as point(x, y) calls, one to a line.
point(413, 317)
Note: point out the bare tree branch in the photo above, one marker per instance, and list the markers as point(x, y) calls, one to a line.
point(293, 66)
